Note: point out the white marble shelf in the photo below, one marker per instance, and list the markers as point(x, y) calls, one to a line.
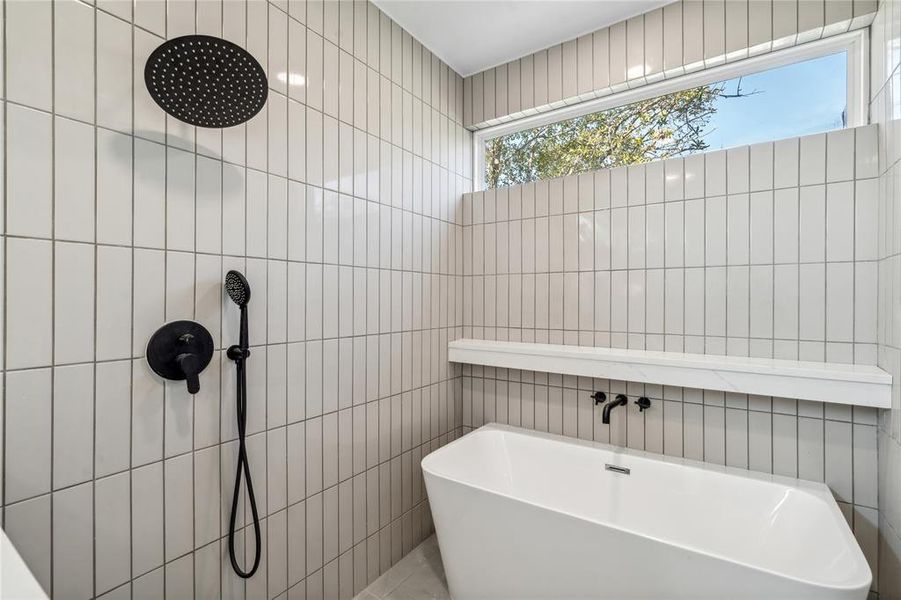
point(859, 385)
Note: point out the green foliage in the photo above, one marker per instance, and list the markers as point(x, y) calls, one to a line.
point(669, 125)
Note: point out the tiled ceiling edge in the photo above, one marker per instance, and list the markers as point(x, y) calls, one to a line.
point(679, 38)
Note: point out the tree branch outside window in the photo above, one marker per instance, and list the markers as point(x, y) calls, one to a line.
point(663, 127)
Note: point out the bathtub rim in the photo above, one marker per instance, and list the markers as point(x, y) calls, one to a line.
point(817, 489)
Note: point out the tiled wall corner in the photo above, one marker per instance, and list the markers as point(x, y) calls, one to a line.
point(685, 36)
point(885, 109)
point(340, 201)
point(767, 250)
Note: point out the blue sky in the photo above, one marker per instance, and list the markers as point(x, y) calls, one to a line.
point(793, 100)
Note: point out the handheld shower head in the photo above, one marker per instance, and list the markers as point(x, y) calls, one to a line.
point(239, 291)
point(237, 287)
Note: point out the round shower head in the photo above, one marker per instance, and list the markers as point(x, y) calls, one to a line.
point(206, 81)
point(237, 287)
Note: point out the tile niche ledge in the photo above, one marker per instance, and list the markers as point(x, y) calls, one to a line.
point(859, 385)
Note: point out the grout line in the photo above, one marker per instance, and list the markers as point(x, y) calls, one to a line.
point(165, 307)
point(131, 517)
point(96, 265)
point(4, 311)
point(220, 357)
point(53, 248)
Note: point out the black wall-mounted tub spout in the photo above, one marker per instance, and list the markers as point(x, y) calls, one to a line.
point(621, 400)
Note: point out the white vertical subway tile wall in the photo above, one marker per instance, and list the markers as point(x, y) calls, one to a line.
point(341, 203)
point(675, 39)
point(764, 250)
point(885, 109)
point(767, 250)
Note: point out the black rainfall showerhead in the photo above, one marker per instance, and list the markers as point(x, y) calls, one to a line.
point(237, 287)
point(206, 81)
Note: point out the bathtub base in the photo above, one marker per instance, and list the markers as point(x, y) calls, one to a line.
point(498, 547)
point(490, 554)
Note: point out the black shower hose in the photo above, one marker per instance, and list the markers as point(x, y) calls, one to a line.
point(245, 467)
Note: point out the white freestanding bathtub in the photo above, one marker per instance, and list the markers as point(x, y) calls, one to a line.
point(521, 514)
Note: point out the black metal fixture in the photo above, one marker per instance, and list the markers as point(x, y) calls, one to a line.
point(620, 400)
point(206, 81)
point(239, 291)
point(179, 351)
point(643, 403)
point(599, 398)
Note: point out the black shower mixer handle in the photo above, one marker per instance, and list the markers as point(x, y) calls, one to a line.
point(190, 366)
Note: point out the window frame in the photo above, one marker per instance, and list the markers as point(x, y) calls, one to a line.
point(854, 43)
